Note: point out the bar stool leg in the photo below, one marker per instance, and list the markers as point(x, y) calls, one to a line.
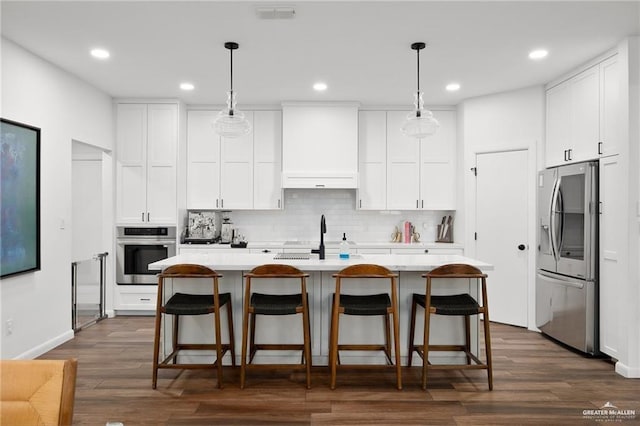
point(425, 347)
point(387, 339)
point(333, 346)
point(156, 349)
point(396, 340)
point(243, 360)
point(219, 352)
point(174, 338)
point(467, 337)
point(307, 344)
point(412, 332)
point(487, 344)
point(231, 334)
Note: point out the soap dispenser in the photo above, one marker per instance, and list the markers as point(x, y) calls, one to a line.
point(344, 247)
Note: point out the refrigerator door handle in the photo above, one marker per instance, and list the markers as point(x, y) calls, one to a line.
point(552, 218)
point(555, 280)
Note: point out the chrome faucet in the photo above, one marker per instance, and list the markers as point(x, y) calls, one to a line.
point(323, 230)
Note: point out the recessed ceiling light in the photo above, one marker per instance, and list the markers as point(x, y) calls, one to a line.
point(100, 53)
point(187, 86)
point(320, 87)
point(538, 54)
point(452, 87)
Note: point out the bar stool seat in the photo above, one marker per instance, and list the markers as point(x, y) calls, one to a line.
point(453, 305)
point(275, 304)
point(180, 304)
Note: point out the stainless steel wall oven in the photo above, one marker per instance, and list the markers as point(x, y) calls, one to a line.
point(137, 248)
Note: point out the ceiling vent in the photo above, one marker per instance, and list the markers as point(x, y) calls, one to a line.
point(275, 12)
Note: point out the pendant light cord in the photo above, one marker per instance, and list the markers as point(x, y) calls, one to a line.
point(418, 73)
point(231, 79)
point(418, 114)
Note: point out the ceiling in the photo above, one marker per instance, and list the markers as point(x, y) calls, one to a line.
point(360, 49)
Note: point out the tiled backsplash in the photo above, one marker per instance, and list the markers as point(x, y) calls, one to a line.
point(300, 219)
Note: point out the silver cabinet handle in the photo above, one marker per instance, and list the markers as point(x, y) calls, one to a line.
point(148, 217)
point(142, 216)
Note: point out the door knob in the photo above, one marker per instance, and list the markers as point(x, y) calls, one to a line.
point(521, 247)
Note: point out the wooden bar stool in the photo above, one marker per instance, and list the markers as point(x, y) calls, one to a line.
point(367, 305)
point(275, 304)
point(192, 304)
point(459, 304)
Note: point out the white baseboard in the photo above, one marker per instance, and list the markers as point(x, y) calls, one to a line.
point(47, 346)
point(626, 371)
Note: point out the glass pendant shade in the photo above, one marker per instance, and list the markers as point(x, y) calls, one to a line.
point(231, 123)
point(421, 122)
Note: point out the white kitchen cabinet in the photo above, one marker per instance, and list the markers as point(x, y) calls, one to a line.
point(372, 160)
point(131, 298)
point(428, 250)
point(319, 145)
point(611, 99)
point(219, 170)
point(583, 115)
point(438, 169)
point(267, 160)
point(613, 209)
point(146, 151)
point(421, 172)
point(573, 119)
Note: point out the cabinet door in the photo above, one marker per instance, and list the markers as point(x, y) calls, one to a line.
point(610, 107)
point(558, 136)
point(403, 165)
point(162, 145)
point(131, 146)
point(372, 152)
point(203, 161)
point(267, 160)
point(236, 171)
point(438, 167)
point(612, 251)
point(585, 106)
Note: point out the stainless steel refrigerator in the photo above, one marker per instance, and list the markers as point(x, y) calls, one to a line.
point(567, 261)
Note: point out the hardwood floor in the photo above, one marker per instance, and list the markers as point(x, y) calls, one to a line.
point(535, 382)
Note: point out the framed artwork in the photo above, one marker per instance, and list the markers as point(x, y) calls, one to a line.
point(20, 204)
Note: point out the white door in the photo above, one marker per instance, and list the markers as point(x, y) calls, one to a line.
point(501, 226)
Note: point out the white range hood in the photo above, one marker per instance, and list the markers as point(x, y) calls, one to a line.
point(320, 145)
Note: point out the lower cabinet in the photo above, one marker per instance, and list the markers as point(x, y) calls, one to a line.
point(134, 298)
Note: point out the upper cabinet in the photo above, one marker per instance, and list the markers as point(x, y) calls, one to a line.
point(372, 161)
point(222, 173)
point(582, 114)
point(319, 145)
point(402, 173)
point(421, 172)
point(267, 160)
point(146, 151)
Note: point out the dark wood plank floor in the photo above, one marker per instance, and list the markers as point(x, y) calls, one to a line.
point(535, 382)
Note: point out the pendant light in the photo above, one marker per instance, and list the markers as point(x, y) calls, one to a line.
point(419, 123)
point(230, 122)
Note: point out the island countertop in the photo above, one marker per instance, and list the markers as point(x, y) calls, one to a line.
point(247, 261)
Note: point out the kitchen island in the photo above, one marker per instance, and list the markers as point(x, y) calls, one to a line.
point(320, 286)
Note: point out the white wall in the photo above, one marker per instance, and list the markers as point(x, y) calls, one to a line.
point(65, 108)
point(499, 122)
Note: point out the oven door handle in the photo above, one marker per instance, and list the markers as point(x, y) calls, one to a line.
point(146, 243)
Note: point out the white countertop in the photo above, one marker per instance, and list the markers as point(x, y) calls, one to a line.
point(243, 261)
point(307, 245)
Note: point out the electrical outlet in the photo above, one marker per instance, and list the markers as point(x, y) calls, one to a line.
point(9, 329)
